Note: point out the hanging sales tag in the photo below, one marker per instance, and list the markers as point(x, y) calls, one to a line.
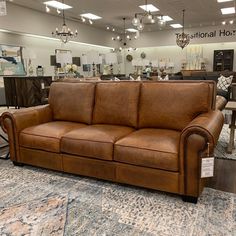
point(207, 167)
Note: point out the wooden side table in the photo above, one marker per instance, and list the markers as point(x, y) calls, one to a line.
point(231, 105)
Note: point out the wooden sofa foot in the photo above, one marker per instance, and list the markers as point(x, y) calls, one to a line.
point(15, 163)
point(190, 199)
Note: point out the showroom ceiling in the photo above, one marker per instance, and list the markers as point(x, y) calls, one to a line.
point(198, 12)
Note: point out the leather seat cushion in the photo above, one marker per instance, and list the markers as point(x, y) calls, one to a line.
point(155, 148)
point(46, 136)
point(94, 141)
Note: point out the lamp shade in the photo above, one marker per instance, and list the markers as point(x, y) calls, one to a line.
point(111, 58)
point(162, 64)
point(93, 57)
point(154, 63)
point(84, 60)
point(63, 57)
point(170, 64)
point(145, 62)
point(29, 54)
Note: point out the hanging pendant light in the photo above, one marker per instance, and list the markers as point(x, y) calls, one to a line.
point(182, 39)
point(65, 33)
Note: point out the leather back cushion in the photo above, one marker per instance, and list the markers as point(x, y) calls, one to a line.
point(116, 103)
point(172, 105)
point(72, 101)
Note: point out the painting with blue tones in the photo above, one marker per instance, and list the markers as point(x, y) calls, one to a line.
point(11, 61)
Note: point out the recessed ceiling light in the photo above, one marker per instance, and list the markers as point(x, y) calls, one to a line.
point(176, 26)
point(91, 16)
point(165, 18)
point(57, 5)
point(227, 10)
point(149, 7)
point(224, 0)
point(132, 30)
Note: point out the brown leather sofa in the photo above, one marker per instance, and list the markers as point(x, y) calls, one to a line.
point(148, 134)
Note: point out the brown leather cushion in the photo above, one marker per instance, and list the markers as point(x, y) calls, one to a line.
point(155, 148)
point(173, 105)
point(72, 101)
point(116, 103)
point(46, 136)
point(95, 141)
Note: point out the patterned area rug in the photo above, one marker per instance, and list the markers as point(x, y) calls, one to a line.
point(40, 217)
point(103, 208)
point(220, 150)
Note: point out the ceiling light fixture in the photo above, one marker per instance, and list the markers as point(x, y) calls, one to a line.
point(182, 39)
point(57, 5)
point(227, 10)
point(224, 1)
point(91, 16)
point(125, 36)
point(149, 7)
point(132, 30)
point(148, 17)
point(65, 33)
point(176, 26)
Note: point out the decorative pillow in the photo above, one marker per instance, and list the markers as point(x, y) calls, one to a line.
point(224, 82)
point(131, 78)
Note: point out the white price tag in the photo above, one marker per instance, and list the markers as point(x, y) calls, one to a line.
point(207, 167)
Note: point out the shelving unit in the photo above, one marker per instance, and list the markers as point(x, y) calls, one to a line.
point(223, 60)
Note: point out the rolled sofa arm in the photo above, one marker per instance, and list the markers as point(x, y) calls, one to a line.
point(13, 122)
point(204, 129)
point(208, 125)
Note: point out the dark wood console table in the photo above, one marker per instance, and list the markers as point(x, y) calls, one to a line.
point(26, 91)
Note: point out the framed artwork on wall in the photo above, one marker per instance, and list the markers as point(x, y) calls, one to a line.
point(86, 67)
point(11, 60)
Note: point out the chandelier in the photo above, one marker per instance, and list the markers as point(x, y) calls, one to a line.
point(65, 33)
point(124, 37)
point(182, 39)
point(147, 17)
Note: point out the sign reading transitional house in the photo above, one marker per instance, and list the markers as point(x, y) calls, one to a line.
point(213, 34)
